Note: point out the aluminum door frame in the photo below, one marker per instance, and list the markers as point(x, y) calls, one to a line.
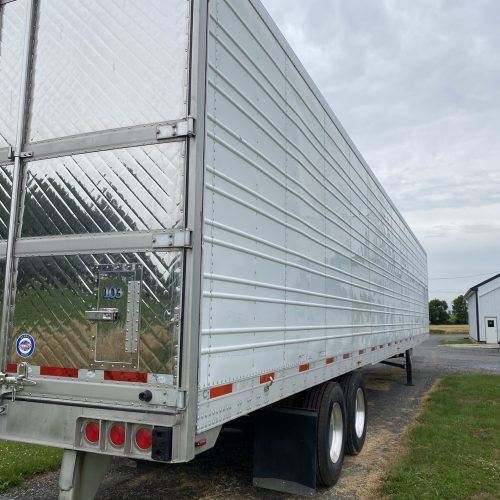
point(192, 291)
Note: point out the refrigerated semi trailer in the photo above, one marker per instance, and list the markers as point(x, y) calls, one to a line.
point(188, 236)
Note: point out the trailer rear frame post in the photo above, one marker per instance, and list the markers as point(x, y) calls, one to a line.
point(81, 474)
point(16, 213)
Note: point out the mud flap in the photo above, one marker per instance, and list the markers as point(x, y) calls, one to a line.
point(285, 450)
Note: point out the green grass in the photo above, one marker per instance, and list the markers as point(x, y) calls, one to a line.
point(454, 448)
point(465, 340)
point(437, 332)
point(19, 461)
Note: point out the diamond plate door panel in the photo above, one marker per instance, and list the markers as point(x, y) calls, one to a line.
point(12, 19)
point(102, 65)
point(53, 294)
point(121, 190)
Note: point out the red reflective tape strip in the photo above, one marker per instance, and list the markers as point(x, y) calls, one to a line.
point(304, 367)
point(56, 371)
point(268, 377)
point(346, 355)
point(221, 390)
point(12, 368)
point(329, 361)
point(361, 351)
point(126, 376)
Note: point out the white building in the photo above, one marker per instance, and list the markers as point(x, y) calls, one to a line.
point(483, 301)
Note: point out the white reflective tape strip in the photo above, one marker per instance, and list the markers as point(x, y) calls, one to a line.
point(160, 378)
point(85, 374)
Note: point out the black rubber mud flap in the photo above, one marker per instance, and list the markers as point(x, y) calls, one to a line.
point(162, 444)
point(285, 450)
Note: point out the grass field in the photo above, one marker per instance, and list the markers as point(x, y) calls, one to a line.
point(449, 329)
point(19, 462)
point(454, 448)
point(465, 340)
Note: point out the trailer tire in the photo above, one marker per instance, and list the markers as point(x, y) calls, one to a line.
point(328, 400)
point(357, 416)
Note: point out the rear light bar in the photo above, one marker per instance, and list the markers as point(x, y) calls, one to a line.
point(122, 438)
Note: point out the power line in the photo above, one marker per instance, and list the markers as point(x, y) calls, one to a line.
point(460, 277)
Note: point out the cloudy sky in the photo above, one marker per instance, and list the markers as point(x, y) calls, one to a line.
point(417, 87)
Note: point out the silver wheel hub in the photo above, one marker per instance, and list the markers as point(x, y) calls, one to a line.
point(336, 432)
point(360, 413)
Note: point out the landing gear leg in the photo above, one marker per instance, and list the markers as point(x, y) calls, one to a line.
point(81, 474)
point(409, 368)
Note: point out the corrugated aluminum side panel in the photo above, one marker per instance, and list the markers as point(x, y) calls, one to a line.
point(305, 257)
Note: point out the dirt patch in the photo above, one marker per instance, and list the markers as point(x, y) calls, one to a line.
point(368, 467)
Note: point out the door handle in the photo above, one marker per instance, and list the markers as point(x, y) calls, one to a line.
point(106, 314)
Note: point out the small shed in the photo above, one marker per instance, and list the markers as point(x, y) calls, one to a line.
point(483, 301)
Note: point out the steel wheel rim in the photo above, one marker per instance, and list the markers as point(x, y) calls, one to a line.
point(360, 413)
point(336, 432)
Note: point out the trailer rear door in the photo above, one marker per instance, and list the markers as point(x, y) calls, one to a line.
point(93, 148)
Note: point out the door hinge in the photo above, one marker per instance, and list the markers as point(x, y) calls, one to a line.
point(13, 153)
point(180, 128)
point(177, 239)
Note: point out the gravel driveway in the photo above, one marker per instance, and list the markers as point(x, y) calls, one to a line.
point(226, 471)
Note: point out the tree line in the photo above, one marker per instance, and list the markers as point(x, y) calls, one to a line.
point(439, 313)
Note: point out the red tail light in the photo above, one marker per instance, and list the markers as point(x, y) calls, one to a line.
point(144, 438)
point(117, 434)
point(92, 432)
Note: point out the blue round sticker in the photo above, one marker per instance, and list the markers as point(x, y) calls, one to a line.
point(25, 345)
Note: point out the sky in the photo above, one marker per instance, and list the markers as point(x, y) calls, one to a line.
point(416, 84)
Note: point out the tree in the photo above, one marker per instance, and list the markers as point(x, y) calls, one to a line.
point(438, 312)
point(459, 309)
